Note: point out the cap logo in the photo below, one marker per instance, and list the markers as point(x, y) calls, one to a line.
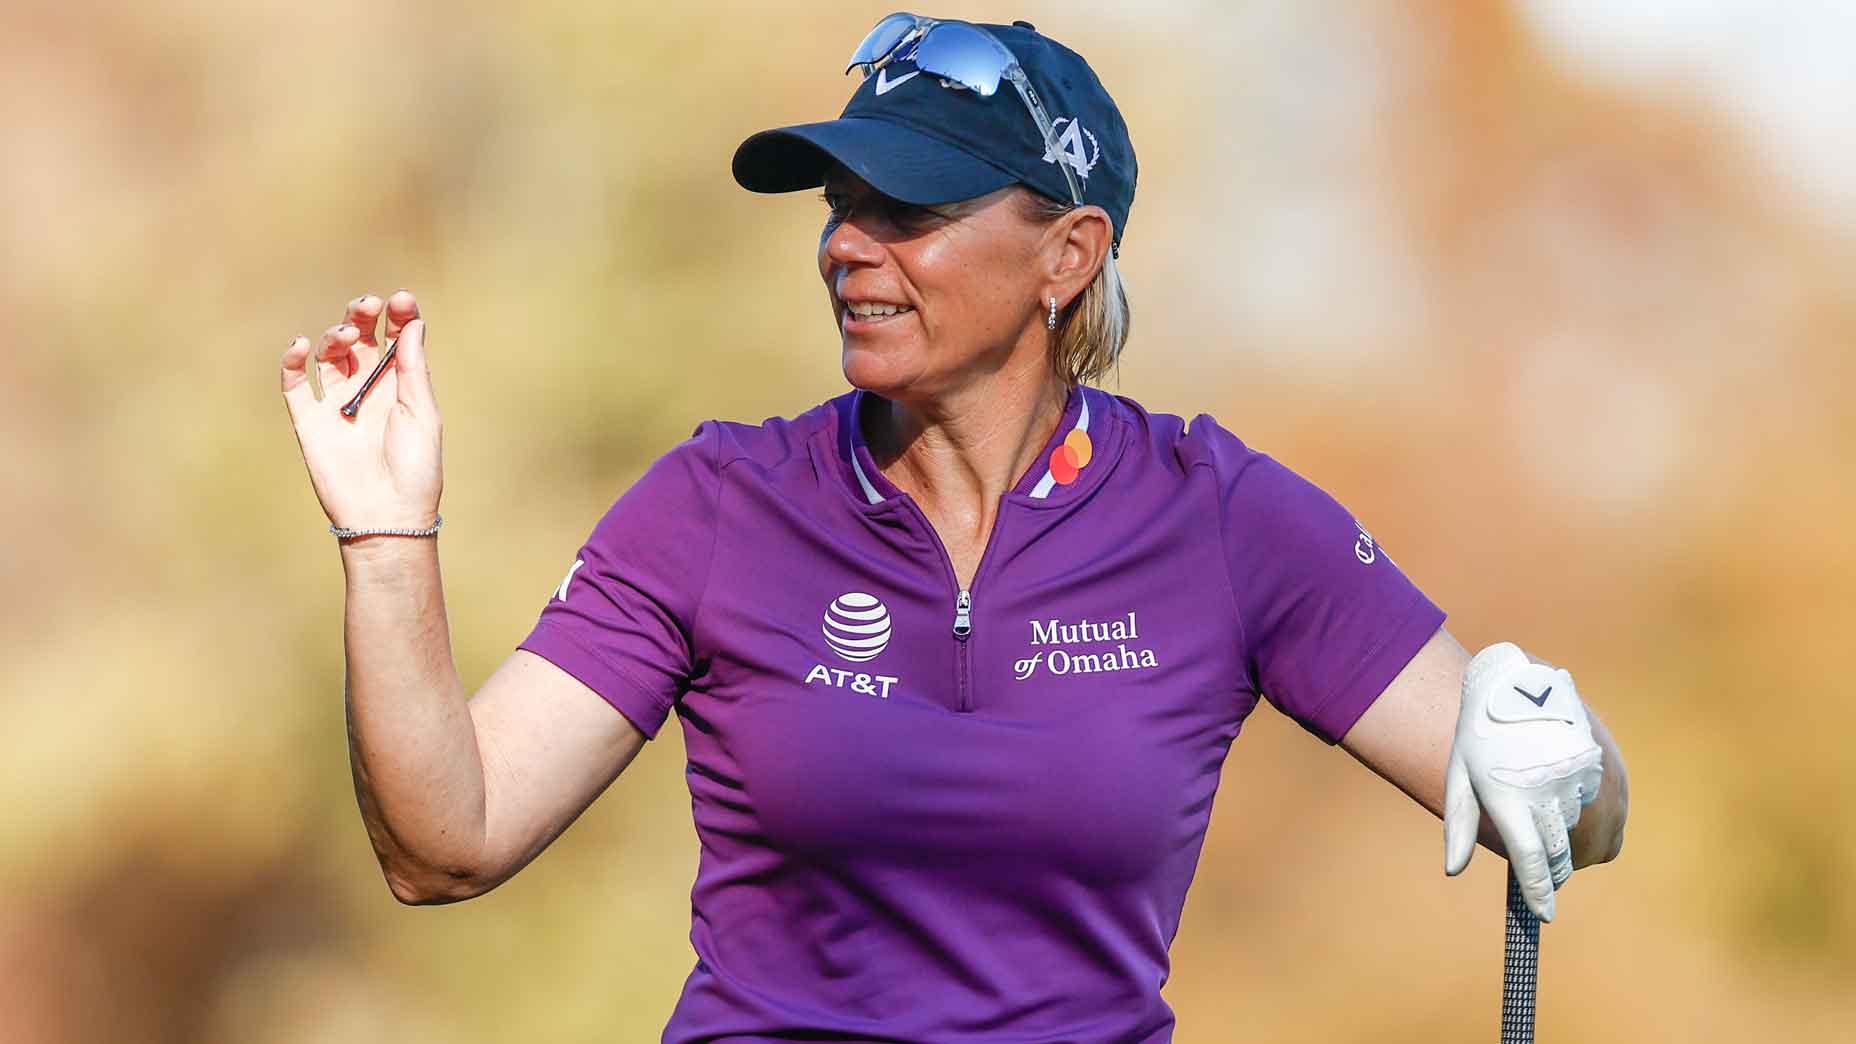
point(884, 84)
point(1070, 134)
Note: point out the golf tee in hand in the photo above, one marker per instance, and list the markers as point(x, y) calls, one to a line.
point(378, 465)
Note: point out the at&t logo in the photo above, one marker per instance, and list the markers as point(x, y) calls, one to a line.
point(857, 626)
point(857, 629)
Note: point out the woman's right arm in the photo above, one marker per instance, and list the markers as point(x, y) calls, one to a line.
point(457, 792)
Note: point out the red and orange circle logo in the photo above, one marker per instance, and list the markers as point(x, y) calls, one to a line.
point(1071, 457)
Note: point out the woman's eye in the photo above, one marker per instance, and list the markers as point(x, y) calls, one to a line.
point(904, 217)
point(909, 215)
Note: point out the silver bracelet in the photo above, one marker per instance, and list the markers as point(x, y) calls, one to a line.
point(350, 534)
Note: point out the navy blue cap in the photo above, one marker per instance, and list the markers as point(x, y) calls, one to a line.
point(915, 139)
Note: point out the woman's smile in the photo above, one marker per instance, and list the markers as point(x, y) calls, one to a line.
point(863, 316)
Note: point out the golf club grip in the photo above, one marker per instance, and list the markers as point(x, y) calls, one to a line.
point(1520, 967)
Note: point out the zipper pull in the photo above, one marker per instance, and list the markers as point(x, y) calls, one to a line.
point(963, 616)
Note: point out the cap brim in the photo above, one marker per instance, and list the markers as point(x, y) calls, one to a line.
point(898, 161)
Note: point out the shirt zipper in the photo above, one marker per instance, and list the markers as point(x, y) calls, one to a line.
point(963, 628)
point(963, 599)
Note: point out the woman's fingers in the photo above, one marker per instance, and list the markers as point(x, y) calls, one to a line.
point(415, 378)
point(341, 347)
point(295, 370)
point(1462, 816)
point(364, 315)
point(1551, 822)
point(351, 348)
point(402, 308)
point(1527, 854)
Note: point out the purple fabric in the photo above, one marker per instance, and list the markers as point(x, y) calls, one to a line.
point(911, 836)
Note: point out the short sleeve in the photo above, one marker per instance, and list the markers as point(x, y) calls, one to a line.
point(622, 618)
point(1326, 618)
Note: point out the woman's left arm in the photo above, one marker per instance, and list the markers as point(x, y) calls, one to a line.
point(1405, 737)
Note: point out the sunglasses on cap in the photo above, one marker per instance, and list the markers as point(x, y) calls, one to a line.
point(961, 53)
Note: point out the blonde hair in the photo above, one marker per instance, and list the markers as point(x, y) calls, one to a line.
point(1092, 329)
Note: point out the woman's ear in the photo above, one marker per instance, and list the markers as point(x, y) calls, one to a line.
point(1083, 238)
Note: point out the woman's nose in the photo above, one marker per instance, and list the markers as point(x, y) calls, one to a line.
point(848, 244)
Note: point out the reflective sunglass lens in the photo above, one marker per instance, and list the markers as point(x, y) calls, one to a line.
point(883, 39)
point(970, 57)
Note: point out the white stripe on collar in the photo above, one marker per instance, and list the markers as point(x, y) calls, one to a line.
point(870, 492)
point(1049, 481)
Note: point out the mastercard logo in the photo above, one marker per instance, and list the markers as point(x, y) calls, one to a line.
point(857, 626)
point(1071, 457)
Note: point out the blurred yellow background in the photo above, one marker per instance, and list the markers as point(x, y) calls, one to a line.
point(1554, 295)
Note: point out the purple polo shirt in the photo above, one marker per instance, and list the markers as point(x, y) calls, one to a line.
point(931, 818)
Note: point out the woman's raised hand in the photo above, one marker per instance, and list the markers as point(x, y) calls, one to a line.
point(381, 469)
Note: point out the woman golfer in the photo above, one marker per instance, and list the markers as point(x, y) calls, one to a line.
point(957, 655)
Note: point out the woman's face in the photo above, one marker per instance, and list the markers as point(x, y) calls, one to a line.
point(928, 298)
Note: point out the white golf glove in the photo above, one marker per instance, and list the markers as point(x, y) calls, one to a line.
point(1524, 751)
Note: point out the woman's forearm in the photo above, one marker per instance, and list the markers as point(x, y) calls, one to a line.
point(1600, 834)
point(412, 745)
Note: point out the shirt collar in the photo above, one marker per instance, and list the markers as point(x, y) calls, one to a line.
point(1076, 456)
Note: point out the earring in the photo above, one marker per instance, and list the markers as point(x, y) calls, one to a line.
point(1051, 323)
